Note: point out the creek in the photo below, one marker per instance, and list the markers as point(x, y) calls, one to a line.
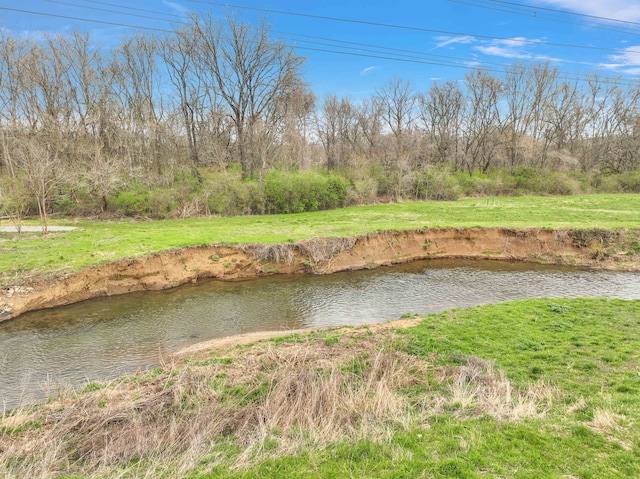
point(101, 339)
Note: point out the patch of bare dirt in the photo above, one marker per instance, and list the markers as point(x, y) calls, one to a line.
point(590, 248)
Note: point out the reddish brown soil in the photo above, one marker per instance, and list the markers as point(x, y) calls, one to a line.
point(320, 256)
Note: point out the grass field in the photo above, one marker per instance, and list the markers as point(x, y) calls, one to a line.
point(96, 242)
point(541, 388)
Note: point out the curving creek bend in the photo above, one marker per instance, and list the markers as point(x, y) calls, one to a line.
point(102, 339)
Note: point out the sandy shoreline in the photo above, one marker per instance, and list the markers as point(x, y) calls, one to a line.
point(248, 338)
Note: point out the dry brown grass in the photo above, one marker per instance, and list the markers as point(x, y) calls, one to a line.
point(604, 420)
point(309, 393)
point(477, 388)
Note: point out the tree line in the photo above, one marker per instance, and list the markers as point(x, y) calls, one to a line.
point(223, 95)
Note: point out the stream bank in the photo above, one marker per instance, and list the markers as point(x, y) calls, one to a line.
point(599, 249)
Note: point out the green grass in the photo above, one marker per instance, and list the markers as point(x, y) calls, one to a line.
point(571, 343)
point(104, 241)
point(576, 361)
point(540, 341)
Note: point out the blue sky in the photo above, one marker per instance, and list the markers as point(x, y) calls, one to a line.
point(444, 38)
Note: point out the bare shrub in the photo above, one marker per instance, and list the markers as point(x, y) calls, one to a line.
point(323, 249)
point(318, 250)
point(277, 253)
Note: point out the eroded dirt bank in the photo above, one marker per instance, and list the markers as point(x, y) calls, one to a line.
point(602, 249)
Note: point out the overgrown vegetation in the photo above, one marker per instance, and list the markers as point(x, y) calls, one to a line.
point(169, 126)
point(536, 388)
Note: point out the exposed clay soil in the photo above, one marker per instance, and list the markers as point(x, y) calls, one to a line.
point(590, 248)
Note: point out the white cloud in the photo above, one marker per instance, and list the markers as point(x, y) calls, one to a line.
point(180, 9)
point(368, 70)
point(628, 61)
point(516, 48)
point(443, 41)
point(628, 10)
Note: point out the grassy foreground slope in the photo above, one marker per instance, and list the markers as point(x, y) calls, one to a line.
point(542, 388)
point(97, 242)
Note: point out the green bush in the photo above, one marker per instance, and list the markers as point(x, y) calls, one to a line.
point(162, 202)
point(362, 192)
point(494, 183)
point(628, 182)
point(559, 183)
point(228, 195)
point(539, 181)
point(435, 184)
point(297, 192)
point(132, 202)
point(69, 201)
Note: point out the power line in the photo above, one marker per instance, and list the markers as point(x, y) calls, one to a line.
point(470, 64)
point(410, 28)
point(66, 17)
point(441, 60)
point(288, 35)
point(566, 12)
point(136, 9)
point(562, 76)
point(489, 5)
point(536, 42)
point(112, 11)
point(293, 34)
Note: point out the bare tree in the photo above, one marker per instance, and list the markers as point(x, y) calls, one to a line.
point(442, 110)
point(40, 167)
point(482, 125)
point(14, 199)
point(178, 53)
point(250, 72)
point(370, 124)
point(397, 103)
point(612, 123)
point(137, 87)
point(297, 109)
point(332, 127)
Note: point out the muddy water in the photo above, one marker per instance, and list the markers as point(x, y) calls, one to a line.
point(105, 338)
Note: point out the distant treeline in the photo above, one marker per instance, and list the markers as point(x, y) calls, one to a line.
point(214, 117)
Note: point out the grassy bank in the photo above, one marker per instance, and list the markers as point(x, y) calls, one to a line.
point(539, 388)
point(96, 242)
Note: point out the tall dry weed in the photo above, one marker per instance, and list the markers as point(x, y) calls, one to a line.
point(290, 396)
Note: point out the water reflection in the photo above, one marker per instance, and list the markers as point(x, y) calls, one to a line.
point(108, 337)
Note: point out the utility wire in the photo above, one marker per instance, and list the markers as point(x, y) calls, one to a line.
point(113, 11)
point(66, 17)
point(290, 36)
point(488, 5)
point(408, 59)
point(136, 9)
point(562, 76)
point(407, 27)
point(409, 54)
point(521, 40)
point(565, 12)
point(440, 60)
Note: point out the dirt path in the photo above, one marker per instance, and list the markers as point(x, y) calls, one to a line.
point(602, 249)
